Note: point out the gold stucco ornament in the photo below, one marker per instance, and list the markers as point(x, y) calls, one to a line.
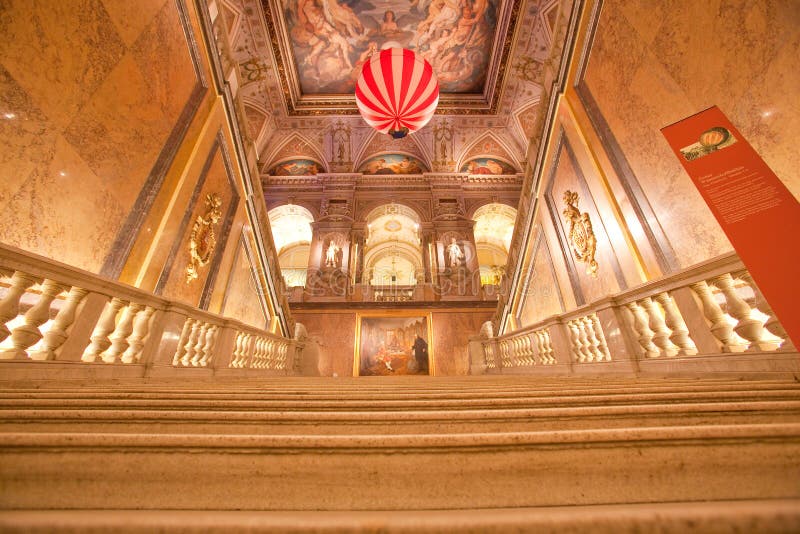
point(203, 239)
point(582, 240)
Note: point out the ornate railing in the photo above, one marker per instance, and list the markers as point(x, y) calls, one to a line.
point(54, 312)
point(710, 310)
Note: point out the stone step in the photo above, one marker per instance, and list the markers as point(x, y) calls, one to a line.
point(776, 516)
point(400, 472)
point(396, 421)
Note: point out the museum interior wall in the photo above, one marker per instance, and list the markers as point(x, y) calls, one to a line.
point(116, 143)
point(636, 70)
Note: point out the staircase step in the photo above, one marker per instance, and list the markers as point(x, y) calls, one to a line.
point(779, 515)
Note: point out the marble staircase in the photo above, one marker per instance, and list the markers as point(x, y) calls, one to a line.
point(484, 453)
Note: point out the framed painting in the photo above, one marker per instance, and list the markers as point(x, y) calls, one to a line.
point(393, 343)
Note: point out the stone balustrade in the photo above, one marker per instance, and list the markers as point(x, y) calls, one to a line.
point(708, 318)
point(59, 314)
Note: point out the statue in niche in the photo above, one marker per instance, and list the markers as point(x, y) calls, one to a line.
point(455, 255)
point(332, 254)
point(581, 236)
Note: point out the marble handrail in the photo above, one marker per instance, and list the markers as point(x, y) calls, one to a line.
point(52, 311)
point(709, 309)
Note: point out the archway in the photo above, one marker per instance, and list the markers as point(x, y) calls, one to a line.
point(494, 227)
point(291, 233)
point(393, 253)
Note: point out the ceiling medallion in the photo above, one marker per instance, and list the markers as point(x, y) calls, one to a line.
point(397, 92)
point(203, 239)
point(392, 226)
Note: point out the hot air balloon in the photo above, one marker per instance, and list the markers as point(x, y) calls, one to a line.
point(397, 92)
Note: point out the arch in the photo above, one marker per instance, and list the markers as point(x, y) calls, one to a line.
point(291, 225)
point(498, 149)
point(295, 146)
point(393, 164)
point(393, 245)
point(494, 228)
point(378, 143)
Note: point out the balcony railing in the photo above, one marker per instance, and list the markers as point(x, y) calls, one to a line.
point(56, 313)
point(711, 317)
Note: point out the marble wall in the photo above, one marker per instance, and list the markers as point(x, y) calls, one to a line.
point(91, 95)
point(215, 179)
point(542, 294)
point(242, 300)
point(335, 330)
point(656, 62)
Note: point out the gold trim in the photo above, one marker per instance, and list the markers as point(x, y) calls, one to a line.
point(203, 240)
point(392, 313)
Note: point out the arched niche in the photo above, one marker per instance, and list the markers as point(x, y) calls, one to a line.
point(393, 252)
point(291, 233)
point(493, 230)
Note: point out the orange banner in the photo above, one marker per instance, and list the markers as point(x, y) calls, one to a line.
point(754, 208)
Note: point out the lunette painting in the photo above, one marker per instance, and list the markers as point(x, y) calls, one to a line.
point(392, 164)
point(393, 346)
point(331, 37)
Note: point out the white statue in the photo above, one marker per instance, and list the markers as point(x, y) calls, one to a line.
point(330, 255)
point(454, 253)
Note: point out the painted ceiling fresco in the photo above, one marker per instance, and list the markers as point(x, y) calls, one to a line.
point(487, 166)
point(332, 39)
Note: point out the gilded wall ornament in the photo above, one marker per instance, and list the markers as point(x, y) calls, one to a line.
point(582, 240)
point(203, 239)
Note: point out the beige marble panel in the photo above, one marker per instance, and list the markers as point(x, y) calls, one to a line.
point(241, 300)
point(451, 333)
point(59, 52)
point(131, 17)
point(176, 287)
point(605, 283)
point(542, 298)
point(121, 131)
point(163, 57)
point(59, 210)
point(334, 331)
point(653, 65)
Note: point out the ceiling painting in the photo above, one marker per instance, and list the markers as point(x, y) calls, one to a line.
point(296, 167)
point(487, 166)
point(321, 45)
point(392, 164)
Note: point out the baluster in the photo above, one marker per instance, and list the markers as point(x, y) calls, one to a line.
point(208, 346)
point(197, 350)
point(191, 341)
point(141, 329)
point(548, 347)
point(255, 358)
point(680, 332)
point(9, 306)
point(597, 333)
point(747, 327)
point(237, 351)
point(28, 334)
point(263, 347)
point(592, 343)
point(574, 341)
point(181, 348)
point(106, 325)
point(488, 353)
point(721, 324)
point(250, 351)
point(661, 333)
point(583, 341)
point(775, 336)
point(119, 338)
point(640, 325)
point(57, 334)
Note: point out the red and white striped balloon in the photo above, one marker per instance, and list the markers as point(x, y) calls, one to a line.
point(397, 91)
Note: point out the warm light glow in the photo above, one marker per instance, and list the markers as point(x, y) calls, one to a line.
point(9, 115)
point(291, 225)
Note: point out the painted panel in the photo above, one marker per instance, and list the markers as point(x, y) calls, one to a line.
point(296, 167)
point(331, 39)
point(390, 345)
point(392, 164)
point(487, 166)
